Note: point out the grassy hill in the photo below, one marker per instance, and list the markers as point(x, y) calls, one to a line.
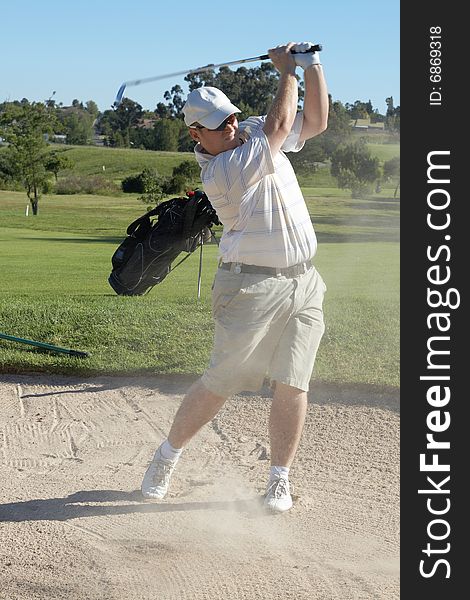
point(117, 163)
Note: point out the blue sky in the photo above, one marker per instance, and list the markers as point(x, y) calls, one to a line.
point(85, 50)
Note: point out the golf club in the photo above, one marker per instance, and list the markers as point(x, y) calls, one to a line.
point(119, 95)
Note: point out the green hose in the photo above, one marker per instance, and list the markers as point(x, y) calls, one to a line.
point(50, 347)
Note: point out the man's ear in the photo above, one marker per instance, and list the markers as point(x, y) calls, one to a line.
point(194, 134)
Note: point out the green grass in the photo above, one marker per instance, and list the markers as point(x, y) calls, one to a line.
point(88, 214)
point(320, 177)
point(54, 289)
point(384, 151)
point(119, 163)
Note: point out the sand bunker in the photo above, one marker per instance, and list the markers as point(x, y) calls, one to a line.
point(74, 526)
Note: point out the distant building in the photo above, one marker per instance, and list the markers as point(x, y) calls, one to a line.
point(366, 125)
point(146, 123)
point(98, 140)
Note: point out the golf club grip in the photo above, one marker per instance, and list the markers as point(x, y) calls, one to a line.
point(316, 48)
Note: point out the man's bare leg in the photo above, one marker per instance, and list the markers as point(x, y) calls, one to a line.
point(286, 421)
point(199, 406)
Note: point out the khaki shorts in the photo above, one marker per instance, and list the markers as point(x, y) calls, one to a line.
point(265, 327)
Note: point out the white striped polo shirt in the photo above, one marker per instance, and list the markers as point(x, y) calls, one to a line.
point(258, 199)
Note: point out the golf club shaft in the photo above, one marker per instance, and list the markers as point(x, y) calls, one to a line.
point(45, 346)
point(119, 95)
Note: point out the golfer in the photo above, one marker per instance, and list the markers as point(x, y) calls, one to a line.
point(267, 295)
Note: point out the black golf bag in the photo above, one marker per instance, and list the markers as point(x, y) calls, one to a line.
point(144, 258)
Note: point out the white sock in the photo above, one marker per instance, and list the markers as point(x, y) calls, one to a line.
point(167, 451)
point(279, 471)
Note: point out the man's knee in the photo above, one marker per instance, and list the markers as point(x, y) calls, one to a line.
point(203, 393)
point(286, 391)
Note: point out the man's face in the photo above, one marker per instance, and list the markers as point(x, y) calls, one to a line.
point(214, 141)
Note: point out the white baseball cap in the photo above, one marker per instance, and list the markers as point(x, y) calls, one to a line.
point(207, 106)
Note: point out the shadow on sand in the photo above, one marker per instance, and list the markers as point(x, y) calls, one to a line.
point(86, 504)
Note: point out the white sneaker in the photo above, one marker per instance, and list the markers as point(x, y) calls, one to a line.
point(157, 477)
point(278, 498)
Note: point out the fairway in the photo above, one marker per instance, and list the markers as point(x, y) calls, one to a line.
point(55, 268)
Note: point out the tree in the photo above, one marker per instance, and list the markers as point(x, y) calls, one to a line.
point(339, 128)
point(184, 177)
point(359, 110)
point(152, 187)
point(252, 90)
point(185, 141)
point(163, 111)
point(107, 122)
point(189, 169)
point(117, 140)
point(9, 174)
point(391, 170)
point(392, 119)
point(142, 138)
point(78, 127)
point(116, 124)
point(57, 161)
point(321, 147)
point(92, 108)
point(175, 102)
point(127, 115)
point(354, 168)
point(25, 127)
point(166, 134)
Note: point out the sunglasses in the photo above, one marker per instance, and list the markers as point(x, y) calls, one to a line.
point(221, 127)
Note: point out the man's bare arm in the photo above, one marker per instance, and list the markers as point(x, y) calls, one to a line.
point(315, 103)
point(282, 113)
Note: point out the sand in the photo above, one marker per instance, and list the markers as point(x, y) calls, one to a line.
point(74, 526)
